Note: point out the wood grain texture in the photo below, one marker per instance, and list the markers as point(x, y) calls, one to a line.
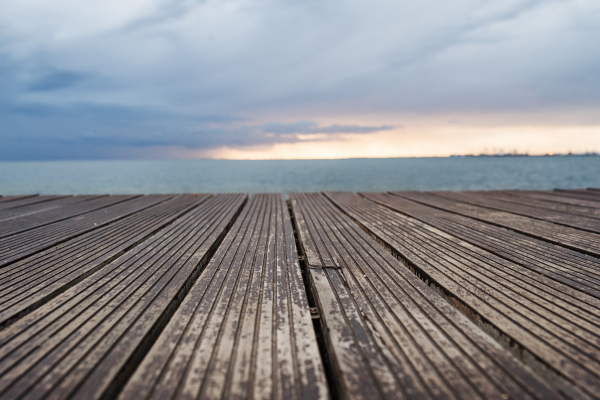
point(404, 295)
point(33, 281)
point(32, 221)
point(5, 199)
point(42, 206)
point(570, 237)
point(554, 197)
point(572, 216)
point(244, 330)
point(576, 270)
point(29, 201)
point(577, 207)
point(404, 340)
point(28, 242)
point(86, 342)
point(560, 330)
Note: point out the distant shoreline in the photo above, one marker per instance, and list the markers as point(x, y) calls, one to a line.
point(586, 154)
point(485, 155)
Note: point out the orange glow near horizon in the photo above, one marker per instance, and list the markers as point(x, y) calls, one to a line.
point(417, 142)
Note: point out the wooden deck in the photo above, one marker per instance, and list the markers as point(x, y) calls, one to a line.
point(399, 295)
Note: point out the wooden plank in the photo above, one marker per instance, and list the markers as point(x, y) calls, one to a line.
point(569, 267)
point(29, 222)
point(28, 201)
point(15, 198)
point(432, 350)
point(32, 282)
point(516, 198)
point(588, 191)
point(546, 214)
point(559, 332)
point(244, 330)
point(571, 196)
point(44, 206)
point(572, 238)
point(578, 194)
point(85, 343)
point(16, 247)
point(353, 353)
point(552, 197)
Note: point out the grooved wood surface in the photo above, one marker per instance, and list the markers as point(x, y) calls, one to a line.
point(402, 340)
point(245, 328)
point(398, 295)
point(555, 324)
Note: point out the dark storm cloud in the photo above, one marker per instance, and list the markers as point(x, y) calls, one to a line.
point(202, 74)
point(91, 130)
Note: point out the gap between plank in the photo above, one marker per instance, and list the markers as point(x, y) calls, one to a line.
point(318, 324)
point(136, 358)
point(547, 374)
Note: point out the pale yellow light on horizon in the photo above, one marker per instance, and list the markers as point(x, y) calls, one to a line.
point(428, 141)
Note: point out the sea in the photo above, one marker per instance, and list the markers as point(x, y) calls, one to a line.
point(354, 175)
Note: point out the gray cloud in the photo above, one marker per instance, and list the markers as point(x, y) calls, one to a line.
point(95, 129)
point(310, 127)
point(167, 11)
point(56, 80)
point(206, 73)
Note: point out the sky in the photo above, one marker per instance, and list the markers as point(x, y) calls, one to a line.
point(261, 79)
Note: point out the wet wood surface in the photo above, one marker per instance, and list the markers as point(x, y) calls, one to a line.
point(399, 295)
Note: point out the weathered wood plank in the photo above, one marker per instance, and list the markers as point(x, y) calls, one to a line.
point(244, 330)
point(550, 197)
point(87, 341)
point(29, 222)
point(521, 208)
point(577, 194)
point(579, 271)
point(4, 199)
point(516, 198)
point(561, 332)
point(108, 296)
point(56, 202)
point(29, 201)
point(573, 238)
point(30, 283)
point(18, 246)
point(428, 348)
point(354, 356)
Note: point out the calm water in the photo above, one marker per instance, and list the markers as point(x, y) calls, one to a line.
point(64, 177)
